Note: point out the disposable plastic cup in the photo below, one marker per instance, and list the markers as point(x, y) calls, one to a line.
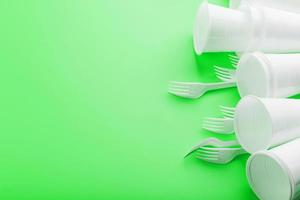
point(262, 123)
point(280, 32)
point(268, 75)
point(275, 174)
point(251, 28)
point(221, 29)
point(287, 5)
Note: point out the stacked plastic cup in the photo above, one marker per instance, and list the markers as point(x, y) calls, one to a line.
point(268, 75)
point(267, 32)
point(251, 28)
point(275, 174)
point(287, 5)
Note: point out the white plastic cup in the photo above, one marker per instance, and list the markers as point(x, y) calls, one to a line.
point(262, 123)
point(268, 75)
point(280, 32)
point(287, 5)
point(275, 174)
point(219, 29)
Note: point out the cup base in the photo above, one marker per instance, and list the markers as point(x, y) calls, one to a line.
point(253, 124)
point(201, 28)
point(253, 76)
point(268, 177)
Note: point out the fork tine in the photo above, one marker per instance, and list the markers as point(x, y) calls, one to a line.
point(178, 87)
point(227, 108)
point(208, 151)
point(217, 126)
point(212, 126)
point(177, 83)
point(226, 76)
point(173, 85)
point(222, 78)
point(235, 64)
point(214, 119)
point(205, 151)
point(224, 110)
point(207, 159)
point(223, 69)
point(233, 59)
point(179, 93)
point(226, 115)
point(223, 72)
point(213, 123)
point(178, 90)
point(217, 71)
point(211, 148)
point(214, 130)
point(206, 155)
point(233, 56)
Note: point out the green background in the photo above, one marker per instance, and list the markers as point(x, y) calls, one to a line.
point(85, 112)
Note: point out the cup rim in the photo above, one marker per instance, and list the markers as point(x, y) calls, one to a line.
point(201, 34)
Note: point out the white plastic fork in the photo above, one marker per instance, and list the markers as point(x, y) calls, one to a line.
point(219, 155)
point(224, 74)
point(218, 125)
point(217, 151)
point(194, 90)
point(228, 112)
point(234, 60)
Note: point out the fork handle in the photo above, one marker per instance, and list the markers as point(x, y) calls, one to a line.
point(220, 85)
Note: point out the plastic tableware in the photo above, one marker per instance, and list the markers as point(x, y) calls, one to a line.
point(218, 125)
point(234, 59)
point(268, 75)
point(221, 125)
point(287, 5)
point(221, 29)
point(194, 90)
point(251, 28)
point(225, 74)
point(217, 151)
point(261, 123)
point(275, 174)
point(228, 112)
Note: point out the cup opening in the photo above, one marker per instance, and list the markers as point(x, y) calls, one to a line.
point(253, 124)
point(202, 28)
point(268, 177)
point(253, 76)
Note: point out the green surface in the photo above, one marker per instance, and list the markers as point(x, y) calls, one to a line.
point(84, 108)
